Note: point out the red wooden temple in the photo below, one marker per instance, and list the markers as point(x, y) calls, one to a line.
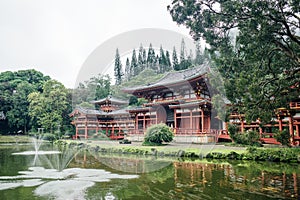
point(111, 119)
point(182, 100)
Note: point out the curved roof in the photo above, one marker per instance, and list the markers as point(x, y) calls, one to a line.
point(173, 78)
point(110, 99)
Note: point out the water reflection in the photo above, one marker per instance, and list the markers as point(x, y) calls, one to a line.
point(94, 175)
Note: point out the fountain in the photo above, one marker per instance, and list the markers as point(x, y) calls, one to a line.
point(37, 142)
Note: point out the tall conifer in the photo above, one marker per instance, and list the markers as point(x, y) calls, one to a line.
point(118, 72)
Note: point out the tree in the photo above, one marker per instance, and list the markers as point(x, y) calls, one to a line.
point(18, 114)
point(151, 57)
point(47, 108)
point(175, 60)
point(14, 88)
point(134, 68)
point(141, 60)
point(162, 61)
point(127, 70)
point(255, 46)
point(118, 68)
point(168, 61)
point(182, 51)
point(199, 59)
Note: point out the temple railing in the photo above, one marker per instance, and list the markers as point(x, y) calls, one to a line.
point(295, 105)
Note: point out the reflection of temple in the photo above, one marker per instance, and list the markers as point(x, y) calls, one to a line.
point(200, 180)
point(274, 185)
point(182, 100)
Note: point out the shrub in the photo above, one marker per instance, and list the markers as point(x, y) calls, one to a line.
point(283, 137)
point(246, 138)
point(49, 136)
point(157, 134)
point(232, 130)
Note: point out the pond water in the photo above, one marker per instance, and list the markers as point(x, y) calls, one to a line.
point(81, 174)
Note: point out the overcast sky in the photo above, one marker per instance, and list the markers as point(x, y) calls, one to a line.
point(56, 36)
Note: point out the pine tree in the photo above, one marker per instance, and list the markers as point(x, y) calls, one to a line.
point(151, 57)
point(134, 64)
point(168, 61)
point(162, 61)
point(127, 70)
point(156, 66)
point(175, 60)
point(144, 58)
point(141, 65)
point(199, 56)
point(182, 51)
point(118, 72)
point(189, 61)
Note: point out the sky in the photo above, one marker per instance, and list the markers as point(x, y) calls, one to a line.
point(57, 37)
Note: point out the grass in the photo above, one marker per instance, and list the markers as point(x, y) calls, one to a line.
point(166, 149)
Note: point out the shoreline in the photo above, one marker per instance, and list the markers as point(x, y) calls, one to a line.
point(194, 151)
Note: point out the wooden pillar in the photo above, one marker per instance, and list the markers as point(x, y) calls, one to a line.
point(86, 130)
point(191, 121)
point(280, 123)
point(202, 120)
point(175, 122)
point(136, 123)
point(76, 132)
point(291, 127)
point(297, 130)
point(97, 128)
point(112, 129)
point(144, 122)
point(260, 132)
point(242, 125)
point(208, 122)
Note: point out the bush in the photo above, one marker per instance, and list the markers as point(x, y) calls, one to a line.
point(246, 138)
point(232, 130)
point(157, 134)
point(283, 137)
point(49, 136)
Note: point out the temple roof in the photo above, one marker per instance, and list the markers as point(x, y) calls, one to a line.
point(86, 111)
point(98, 112)
point(173, 78)
point(110, 99)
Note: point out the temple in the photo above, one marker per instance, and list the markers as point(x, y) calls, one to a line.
point(182, 100)
point(110, 119)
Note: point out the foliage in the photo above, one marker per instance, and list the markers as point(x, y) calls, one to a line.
point(254, 44)
point(49, 136)
point(118, 72)
point(232, 130)
point(47, 108)
point(290, 155)
point(97, 87)
point(175, 61)
point(158, 133)
point(283, 137)
point(14, 88)
point(246, 138)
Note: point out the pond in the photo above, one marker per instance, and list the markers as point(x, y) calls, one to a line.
point(82, 174)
